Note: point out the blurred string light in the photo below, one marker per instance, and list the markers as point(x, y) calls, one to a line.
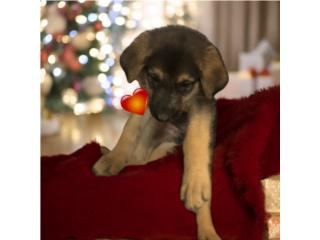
point(104, 3)
point(81, 19)
point(83, 59)
point(73, 33)
point(52, 59)
point(61, 4)
point(93, 52)
point(69, 97)
point(65, 39)
point(120, 21)
point(92, 17)
point(57, 72)
point(47, 39)
point(104, 67)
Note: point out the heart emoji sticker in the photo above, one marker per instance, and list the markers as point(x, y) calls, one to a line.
point(136, 103)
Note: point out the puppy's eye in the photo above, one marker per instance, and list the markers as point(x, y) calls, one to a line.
point(153, 77)
point(185, 86)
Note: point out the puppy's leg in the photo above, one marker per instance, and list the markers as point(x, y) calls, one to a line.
point(196, 185)
point(112, 162)
point(206, 230)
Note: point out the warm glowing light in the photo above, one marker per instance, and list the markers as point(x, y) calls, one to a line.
point(244, 74)
point(125, 11)
point(44, 23)
point(95, 105)
point(61, 4)
point(93, 52)
point(106, 49)
point(104, 3)
point(69, 97)
point(52, 59)
point(117, 7)
point(100, 36)
point(65, 39)
point(103, 80)
point(79, 108)
point(101, 56)
point(81, 1)
point(81, 19)
point(42, 74)
point(104, 18)
point(104, 67)
point(90, 36)
point(120, 21)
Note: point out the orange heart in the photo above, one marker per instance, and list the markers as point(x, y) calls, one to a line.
point(136, 103)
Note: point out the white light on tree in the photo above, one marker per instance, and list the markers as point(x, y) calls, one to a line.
point(106, 49)
point(110, 61)
point(47, 39)
point(52, 59)
point(117, 7)
point(83, 59)
point(81, 19)
point(57, 72)
point(61, 4)
point(92, 17)
point(120, 21)
point(104, 67)
point(102, 78)
point(104, 3)
point(100, 36)
point(93, 52)
point(73, 33)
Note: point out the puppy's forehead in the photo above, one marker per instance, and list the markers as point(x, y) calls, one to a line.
point(172, 62)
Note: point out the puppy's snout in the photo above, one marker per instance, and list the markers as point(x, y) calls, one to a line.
point(162, 117)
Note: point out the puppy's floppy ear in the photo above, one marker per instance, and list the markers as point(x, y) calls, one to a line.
point(214, 73)
point(132, 58)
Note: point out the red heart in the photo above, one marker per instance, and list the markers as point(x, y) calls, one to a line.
point(136, 103)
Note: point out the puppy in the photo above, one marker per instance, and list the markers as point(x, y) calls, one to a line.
point(181, 71)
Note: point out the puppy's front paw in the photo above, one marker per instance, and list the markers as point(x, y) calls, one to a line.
point(208, 234)
point(109, 164)
point(195, 189)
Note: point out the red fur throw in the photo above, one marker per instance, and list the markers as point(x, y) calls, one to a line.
point(142, 202)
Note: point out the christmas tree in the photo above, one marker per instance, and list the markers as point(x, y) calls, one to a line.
point(81, 42)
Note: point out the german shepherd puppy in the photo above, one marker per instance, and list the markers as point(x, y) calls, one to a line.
point(181, 71)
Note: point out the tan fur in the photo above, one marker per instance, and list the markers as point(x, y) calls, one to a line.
point(183, 77)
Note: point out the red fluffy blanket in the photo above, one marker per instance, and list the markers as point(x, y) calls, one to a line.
point(142, 202)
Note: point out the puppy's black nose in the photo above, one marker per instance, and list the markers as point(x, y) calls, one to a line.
point(162, 117)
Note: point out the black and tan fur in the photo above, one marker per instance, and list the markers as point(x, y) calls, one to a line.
point(182, 71)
